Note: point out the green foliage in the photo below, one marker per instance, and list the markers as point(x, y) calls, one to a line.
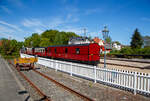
point(126, 50)
point(50, 35)
point(47, 38)
point(137, 40)
point(131, 51)
point(58, 38)
point(108, 39)
point(32, 41)
point(35, 40)
point(10, 48)
point(115, 52)
point(45, 42)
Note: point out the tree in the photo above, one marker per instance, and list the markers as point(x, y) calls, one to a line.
point(9, 48)
point(49, 34)
point(45, 42)
point(62, 38)
point(33, 41)
point(137, 40)
point(36, 39)
point(58, 39)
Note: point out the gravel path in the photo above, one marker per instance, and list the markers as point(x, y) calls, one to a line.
point(97, 91)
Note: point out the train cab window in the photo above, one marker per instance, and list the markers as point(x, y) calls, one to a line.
point(77, 50)
point(66, 50)
point(55, 50)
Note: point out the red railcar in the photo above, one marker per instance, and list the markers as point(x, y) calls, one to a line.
point(89, 53)
point(40, 51)
point(29, 51)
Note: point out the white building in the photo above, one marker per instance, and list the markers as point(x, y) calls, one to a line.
point(78, 40)
point(116, 46)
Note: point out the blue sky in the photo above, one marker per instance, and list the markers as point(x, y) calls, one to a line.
point(21, 18)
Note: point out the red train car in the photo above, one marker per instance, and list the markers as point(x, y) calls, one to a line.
point(40, 51)
point(29, 51)
point(89, 53)
point(85, 53)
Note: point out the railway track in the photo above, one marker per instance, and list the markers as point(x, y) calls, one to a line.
point(44, 96)
point(85, 98)
point(121, 65)
point(128, 60)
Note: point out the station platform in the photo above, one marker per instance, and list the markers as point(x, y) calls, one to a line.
point(11, 88)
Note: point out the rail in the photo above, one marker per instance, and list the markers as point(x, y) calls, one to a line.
point(44, 97)
point(133, 81)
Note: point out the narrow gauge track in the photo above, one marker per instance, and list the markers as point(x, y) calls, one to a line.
point(122, 65)
point(44, 97)
point(85, 98)
point(127, 60)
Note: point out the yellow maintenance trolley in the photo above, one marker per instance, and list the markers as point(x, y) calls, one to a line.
point(25, 63)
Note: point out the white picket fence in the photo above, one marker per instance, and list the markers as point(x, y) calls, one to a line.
point(136, 82)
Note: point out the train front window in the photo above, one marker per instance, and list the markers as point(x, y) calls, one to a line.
point(77, 50)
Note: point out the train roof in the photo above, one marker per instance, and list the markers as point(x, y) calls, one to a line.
point(68, 45)
point(72, 45)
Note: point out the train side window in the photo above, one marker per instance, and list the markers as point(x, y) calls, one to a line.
point(66, 50)
point(77, 50)
point(55, 50)
point(49, 50)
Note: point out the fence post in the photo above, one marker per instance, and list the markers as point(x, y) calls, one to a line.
point(71, 69)
point(135, 82)
point(56, 65)
point(94, 74)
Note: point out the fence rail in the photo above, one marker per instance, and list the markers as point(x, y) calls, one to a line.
point(136, 82)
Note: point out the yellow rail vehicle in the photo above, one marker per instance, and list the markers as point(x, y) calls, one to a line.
point(25, 63)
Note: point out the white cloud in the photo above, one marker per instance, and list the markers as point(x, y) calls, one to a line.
point(40, 25)
point(10, 25)
point(4, 29)
point(38, 31)
point(71, 18)
point(6, 32)
point(32, 23)
point(77, 30)
point(92, 11)
point(56, 22)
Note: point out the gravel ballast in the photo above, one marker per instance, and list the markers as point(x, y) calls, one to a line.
point(96, 91)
